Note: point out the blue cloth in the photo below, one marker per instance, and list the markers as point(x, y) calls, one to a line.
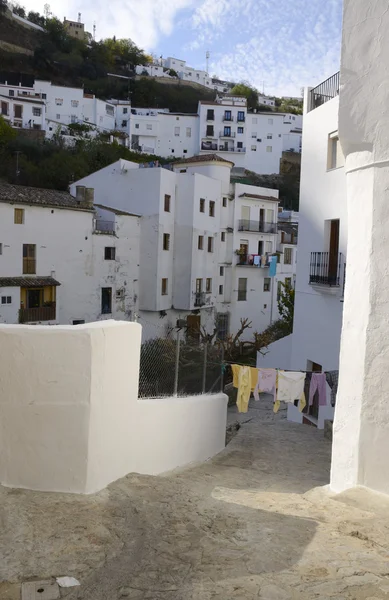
point(273, 266)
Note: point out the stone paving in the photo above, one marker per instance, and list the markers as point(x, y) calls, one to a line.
point(253, 523)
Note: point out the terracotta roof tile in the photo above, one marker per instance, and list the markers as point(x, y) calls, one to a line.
point(259, 197)
point(27, 281)
point(203, 158)
point(20, 194)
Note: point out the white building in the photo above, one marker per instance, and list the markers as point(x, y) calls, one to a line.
point(23, 111)
point(63, 260)
point(266, 100)
point(192, 226)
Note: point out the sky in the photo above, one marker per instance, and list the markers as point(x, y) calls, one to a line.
point(279, 46)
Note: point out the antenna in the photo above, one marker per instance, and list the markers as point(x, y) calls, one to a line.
point(207, 55)
point(94, 30)
point(79, 17)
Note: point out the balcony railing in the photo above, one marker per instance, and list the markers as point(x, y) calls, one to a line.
point(200, 299)
point(107, 227)
point(208, 146)
point(325, 91)
point(325, 269)
point(228, 119)
point(40, 313)
point(257, 226)
point(223, 134)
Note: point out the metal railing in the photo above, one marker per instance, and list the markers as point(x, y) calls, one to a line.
point(257, 226)
point(223, 134)
point(253, 260)
point(325, 269)
point(200, 299)
point(325, 91)
point(208, 146)
point(40, 313)
point(107, 227)
point(228, 119)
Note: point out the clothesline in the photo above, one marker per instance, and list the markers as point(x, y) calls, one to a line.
point(227, 362)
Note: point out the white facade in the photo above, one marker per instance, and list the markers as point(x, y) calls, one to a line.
point(163, 133)
point(23, 112)
point(266, 100)
point(82, 250)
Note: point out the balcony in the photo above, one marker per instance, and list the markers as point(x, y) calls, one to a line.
point(228, 119)
point(253, 260)
point(208, 146)
point(325, 269)
point(200, 299)
point(324, 92)
point(38, 314)
point(104, 227)
point(224, 134)
point(257, 226)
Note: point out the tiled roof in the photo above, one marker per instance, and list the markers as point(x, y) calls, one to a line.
point(20, 194)
point(203, 158)
point(23, 99)
point(259, 197)
point(27, 281)
point(116, 211)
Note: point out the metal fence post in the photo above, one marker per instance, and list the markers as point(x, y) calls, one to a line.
point(175, 391)
point(222, 371)
point(205, 368)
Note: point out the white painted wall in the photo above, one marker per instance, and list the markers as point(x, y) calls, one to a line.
point(32, 111)
point(74, 424)
point(264, 144)
point(276, 355)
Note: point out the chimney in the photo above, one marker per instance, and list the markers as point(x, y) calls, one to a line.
point(89, 197)
point(80, 194)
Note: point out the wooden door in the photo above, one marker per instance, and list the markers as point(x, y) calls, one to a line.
point(333, 252)
point(193, 326)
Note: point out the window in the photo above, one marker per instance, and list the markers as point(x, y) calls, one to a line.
point(266, 284)
point(210, 130)
point(224, 202)
point(227, 115)
point(19, 216)
point(254, 135)
point(269, 247)
point(29, 262)
point(202, 205)
point(242, 289)
point(176, 131)
point(288, 282)
point(109, 110)
point(11, 93)
point(149, 126)
point(255, 120)
point(227, 131)
point(136, 125)
point(18, 111)
point(109, 253)
point(164, 287)
point(125, 111)
point(106, 301)
point(241, 116)
point(222, 323)
point(220, 290)
point(335, 154)
point(223, 236)
point(73, 118)
point(239, 145)
point(167, 203)
point(59, 101)
point(211, 208)
point(210, 244)
point(44, 96)
point(200, 242)
point(269, 148)
point(240, 129)
point(254, 148)
point(221, 271)
point(6, 300)
point(199, 286)
point(166, 241)
point(208, 285)
point(269, 136)
point(78, 322)
point(4, 108)
point(57, 116)
point(188, 132)
point(288, 256)
point(279, 290)
point(124, 123)
point(210, 114)
point(270, 121)
point(74, 103)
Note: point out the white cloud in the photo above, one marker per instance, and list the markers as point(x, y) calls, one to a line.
point(143, 21)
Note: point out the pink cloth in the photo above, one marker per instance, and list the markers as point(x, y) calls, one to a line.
point(266, 382)
point(318, 382)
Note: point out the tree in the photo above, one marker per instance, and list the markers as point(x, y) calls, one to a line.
point(249, 92)
point(19, 10)
point(7, 133)
point(3, 5)
point(35, 17)
point(286, 306)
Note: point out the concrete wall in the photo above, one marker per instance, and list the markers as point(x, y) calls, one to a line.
point(73, 422)
point(277, 355)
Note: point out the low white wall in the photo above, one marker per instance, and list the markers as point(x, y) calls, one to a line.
point(70, 418)
point(278, 355)
point(173, 432)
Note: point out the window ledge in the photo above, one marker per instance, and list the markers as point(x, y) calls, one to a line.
point(331, 290)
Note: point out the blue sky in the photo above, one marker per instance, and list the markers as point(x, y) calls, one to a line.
point(279, 44)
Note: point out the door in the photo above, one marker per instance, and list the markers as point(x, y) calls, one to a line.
point(261, 219)
point(260, 248)
point(245, 216)
point(193, 326)
point(333, 253)
point(34, 298)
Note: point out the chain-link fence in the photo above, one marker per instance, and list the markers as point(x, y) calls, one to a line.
point(173, 363)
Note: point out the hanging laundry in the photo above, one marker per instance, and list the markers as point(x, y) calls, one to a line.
point(253, 376)
point(244, 389)
point(266, 383)
point(307, 385)
point(263, 260)
point(290, 388)
point(332, 378)
point(257, 260)
point(318, 383)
